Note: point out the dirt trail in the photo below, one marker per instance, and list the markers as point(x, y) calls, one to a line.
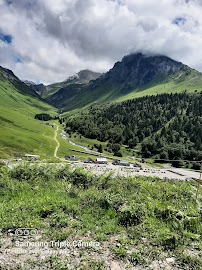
point(58, 144)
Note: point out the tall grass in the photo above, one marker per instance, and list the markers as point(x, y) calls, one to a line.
point(53, 199)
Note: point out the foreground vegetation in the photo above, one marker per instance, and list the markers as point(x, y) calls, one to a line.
point(149, 217)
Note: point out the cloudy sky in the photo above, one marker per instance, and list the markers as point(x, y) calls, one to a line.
point(50, 40)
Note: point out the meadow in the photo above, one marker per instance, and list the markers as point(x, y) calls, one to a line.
point(110, 93)
point(138, 220)
point(20, 133)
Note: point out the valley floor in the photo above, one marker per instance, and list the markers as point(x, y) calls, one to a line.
point(165, 173)
point(117, 170)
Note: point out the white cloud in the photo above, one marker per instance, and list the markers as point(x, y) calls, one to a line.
point(55, 39)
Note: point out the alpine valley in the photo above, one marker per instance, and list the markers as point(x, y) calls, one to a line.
point(112, 159)
point(112, 107)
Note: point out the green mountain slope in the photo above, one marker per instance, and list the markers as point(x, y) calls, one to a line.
point(166, 126)
point(19, 132)
point(81, 78)
point(135, 76)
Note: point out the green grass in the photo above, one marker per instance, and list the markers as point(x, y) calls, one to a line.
point(128, 155)
point(89, 143)
point(85, 142)
point(51, 89)
point(150, 214)
point(170, 87)
point(65, 146)
point(190, 81)
point(19, 131)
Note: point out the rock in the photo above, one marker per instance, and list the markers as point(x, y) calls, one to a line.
point(129, 252)
point(74, 263)
point(115, 266)
point(155, 265)
point(170, 260)
point(144, 240)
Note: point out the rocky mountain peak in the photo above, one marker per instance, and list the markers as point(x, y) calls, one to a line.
point(88, 75)
point(28, 83)
point(83, 76)
point(142, 69)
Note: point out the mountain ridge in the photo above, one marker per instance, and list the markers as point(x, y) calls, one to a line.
point(20, 132)
point(82, 77)
point(133, 76)
point(7, 74)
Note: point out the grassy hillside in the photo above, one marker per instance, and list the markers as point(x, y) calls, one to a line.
point(70, 85)
point(135, 76)
point(52, 88)
point(67, 92)
point(138, 221)
point(106, 93)
point(191, 82)
point(19, 132)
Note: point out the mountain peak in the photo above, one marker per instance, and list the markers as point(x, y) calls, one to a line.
point(88, 75)
point(29, 83)
point(135, 73)
point(8, 75)
point(85, 75)
point(141, 69)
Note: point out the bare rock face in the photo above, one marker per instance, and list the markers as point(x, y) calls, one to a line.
point(38, 88)
point(83, 76)
point(88, 75)
point(141, 69)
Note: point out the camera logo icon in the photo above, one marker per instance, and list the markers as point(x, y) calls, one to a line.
point(26, 232)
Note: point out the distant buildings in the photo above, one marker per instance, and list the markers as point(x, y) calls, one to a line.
point(89, 160)
point(71, 158)
point(115, 162)
point(101, 160)
point(137, 165)
point(31, 157)
point(121, 162)
point(124, 163)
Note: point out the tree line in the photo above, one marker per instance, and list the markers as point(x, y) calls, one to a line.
point(167, 126)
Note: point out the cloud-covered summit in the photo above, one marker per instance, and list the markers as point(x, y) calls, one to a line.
point(55, 39)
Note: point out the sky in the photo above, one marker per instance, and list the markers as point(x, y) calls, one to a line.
point(49, 40)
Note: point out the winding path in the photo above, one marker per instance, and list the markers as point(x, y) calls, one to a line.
point(58, 144)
